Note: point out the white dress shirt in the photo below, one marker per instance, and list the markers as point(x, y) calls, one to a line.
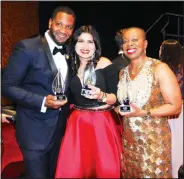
point(59, 61)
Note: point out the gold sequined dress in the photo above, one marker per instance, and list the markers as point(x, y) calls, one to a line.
point(146, 142)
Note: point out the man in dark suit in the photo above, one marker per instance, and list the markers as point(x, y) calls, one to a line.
point(121, 61)
point(40, 117)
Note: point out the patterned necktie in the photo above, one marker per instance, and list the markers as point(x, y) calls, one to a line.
point(61, 50)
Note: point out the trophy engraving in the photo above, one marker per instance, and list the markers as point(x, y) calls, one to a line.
point(58, 87)
point(125, 106)
point(89, 78)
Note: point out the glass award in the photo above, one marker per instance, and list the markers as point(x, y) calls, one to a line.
point(88, 79)
point(58, 87)
point(125, 104)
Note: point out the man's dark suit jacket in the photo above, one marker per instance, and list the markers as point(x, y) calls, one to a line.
point(26, 81)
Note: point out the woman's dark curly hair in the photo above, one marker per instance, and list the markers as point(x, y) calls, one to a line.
point(75, 62)
point(171, 53)
point(119, 38)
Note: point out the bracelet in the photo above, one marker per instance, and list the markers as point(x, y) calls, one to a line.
point(101, 99)
point(148, 114)
point(104, 98)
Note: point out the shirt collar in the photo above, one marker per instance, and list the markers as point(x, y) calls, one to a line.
point(51, 43)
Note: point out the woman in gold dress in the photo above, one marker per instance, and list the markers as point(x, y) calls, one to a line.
point(154, 93)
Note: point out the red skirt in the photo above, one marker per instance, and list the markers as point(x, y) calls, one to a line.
point(91, 147)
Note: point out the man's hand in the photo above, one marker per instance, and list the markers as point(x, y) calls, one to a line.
point(4, 120)
point(52, 102)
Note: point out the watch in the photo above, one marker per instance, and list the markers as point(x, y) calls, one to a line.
point(104, 98)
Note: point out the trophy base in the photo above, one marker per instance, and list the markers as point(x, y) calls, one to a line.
point(85, 92)
point(125, 108)
point(11, 119)
point(61, 97)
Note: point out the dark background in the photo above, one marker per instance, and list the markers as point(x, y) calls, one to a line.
point(108, 17)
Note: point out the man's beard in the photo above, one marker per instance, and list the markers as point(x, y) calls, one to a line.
point(54, 39)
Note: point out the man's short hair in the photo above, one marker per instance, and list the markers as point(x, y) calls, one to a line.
point(64, 9)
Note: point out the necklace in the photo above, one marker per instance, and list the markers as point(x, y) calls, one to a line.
point(136, 68)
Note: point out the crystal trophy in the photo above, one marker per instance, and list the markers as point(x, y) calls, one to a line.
point(125, 104)
point(58, 87)
point(88, 79)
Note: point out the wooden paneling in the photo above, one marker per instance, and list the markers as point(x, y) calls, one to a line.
point(19, 20)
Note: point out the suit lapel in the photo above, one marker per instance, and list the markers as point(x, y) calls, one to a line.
point(52, 63)
point(49, 55)
point(68, 75)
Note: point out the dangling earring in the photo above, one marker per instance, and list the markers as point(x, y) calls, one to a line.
point(93, 56)
point(75, 62)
